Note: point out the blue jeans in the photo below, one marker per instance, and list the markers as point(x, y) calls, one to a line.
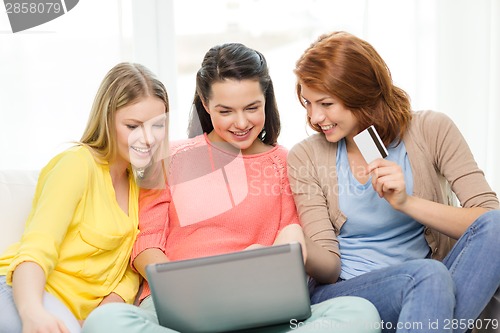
point(10, 322)
point(341, 315)
point(429, 296)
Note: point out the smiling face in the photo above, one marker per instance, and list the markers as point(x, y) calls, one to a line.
point(237, 112)
point(330, 114)
point(140, 129)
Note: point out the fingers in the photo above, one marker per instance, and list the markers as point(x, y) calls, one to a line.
point(379, 163)
point(386, 176)
point(63, 328)
point(254, 246)
point(290, 234)
point(386, 185)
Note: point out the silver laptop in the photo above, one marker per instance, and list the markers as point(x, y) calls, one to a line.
point(235, 291)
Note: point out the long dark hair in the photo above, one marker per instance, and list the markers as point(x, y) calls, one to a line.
point(238, 62)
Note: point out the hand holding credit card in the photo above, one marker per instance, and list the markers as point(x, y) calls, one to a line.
point(370, 145)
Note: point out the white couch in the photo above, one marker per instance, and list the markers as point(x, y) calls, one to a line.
point(16, 193)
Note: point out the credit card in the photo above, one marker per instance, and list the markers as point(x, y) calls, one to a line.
point(370, 145)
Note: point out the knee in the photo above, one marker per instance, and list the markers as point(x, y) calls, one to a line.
point(432, 279)
point(490, 221)
point(486, 229)
point(430, 267)
point(365, 317)
point(493, 214)
point(354, 313)
point(360, 308)
point(107, 318)
point(433, 271)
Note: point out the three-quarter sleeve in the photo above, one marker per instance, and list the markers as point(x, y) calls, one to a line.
point(61, 185)
point(153, 220)
point(455, 161)
point(310, 197)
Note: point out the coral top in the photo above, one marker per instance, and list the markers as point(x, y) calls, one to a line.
point(216, 202)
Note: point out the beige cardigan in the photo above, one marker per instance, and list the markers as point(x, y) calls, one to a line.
point(439, 157)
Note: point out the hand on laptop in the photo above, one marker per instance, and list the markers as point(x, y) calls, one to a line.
point(292, 233)
point(254, 246)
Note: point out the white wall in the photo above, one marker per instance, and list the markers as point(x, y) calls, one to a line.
point(49, 76)
point(444, 53)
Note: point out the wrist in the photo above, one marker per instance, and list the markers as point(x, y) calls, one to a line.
point(28, 310)
point(405, 205)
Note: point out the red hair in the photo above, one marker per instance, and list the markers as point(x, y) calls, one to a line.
point(350, 69)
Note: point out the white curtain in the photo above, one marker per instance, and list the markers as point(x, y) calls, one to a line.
point(446, 55)
point(469, 76)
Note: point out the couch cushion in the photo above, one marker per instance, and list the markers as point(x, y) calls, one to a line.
point(16, 194)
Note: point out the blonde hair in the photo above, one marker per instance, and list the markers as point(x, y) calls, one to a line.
point(123, 85)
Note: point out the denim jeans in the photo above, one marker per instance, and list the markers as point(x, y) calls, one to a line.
point(425, 295)
point(10, 322)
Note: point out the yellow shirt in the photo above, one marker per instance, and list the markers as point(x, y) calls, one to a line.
point(78, 233)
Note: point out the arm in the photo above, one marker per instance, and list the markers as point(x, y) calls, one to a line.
point(44, 232)
point(28, 284)
point(323, 257)
point(150, 244)
point(451, 157)
point(52, 213)
point(322, 264)
point(149, 256)
point(290, 229)
point(292, 233)
point(388, 181)
point(449, 220)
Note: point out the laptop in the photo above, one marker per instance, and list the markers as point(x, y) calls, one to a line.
point(229, 292)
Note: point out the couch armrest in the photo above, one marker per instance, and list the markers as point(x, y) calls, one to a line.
point(16, 194)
